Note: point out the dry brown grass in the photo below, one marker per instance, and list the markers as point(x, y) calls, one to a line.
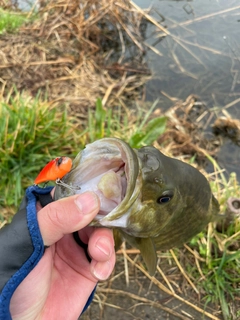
point(170, 294)
point(77, 51)
point(178, 289)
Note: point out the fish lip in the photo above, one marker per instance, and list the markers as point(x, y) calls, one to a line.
point(118, 217)
point(105, 150)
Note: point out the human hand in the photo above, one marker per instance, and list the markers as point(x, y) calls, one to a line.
point(62, 281)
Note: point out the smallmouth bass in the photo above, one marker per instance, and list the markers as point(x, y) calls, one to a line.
point(153, 201)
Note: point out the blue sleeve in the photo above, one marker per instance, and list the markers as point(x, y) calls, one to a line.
point(21, 248)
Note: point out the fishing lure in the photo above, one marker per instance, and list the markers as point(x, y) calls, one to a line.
point(54, 170)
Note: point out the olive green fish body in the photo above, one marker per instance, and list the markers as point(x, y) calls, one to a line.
point(183, 202)
point(155, 202)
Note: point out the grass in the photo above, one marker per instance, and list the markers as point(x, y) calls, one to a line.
point(11, 21)
point(217, 273)
point(212, 261)
point(33, 131)
point(199, 281)
point(135, 127)
point(222, 258)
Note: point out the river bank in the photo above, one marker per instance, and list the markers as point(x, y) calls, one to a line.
point(71, 54)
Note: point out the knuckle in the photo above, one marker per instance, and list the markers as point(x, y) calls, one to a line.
point(56, 214)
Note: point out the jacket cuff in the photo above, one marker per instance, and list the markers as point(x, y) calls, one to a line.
point(21, 248)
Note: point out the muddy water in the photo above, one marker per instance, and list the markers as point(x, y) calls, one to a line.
point(201, 56)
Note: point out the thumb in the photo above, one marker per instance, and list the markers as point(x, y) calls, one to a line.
point(66, 216)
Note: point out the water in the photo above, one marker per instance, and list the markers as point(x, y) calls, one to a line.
point(200, 56)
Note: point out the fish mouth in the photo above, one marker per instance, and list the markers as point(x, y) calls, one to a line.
point(108, 181)
point(110, 168)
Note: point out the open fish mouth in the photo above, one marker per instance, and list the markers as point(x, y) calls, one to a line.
point(155, 201)
point(110, 168)
point(110, 187)
point(107, 178)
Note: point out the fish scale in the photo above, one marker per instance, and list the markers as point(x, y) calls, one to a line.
point(166, 201)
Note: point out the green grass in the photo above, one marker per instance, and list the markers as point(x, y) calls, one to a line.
point(11, 21)
point(217, 274)
point(32, 132)
point(136, 128)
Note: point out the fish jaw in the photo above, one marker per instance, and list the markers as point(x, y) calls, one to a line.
point(110, 168)
point(130, 183)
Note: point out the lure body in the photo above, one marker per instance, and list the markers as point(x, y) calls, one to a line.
point(55, 169)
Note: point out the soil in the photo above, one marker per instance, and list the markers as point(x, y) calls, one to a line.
point(143, 300)
point(66, 61)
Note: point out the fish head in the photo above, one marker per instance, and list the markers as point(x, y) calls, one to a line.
point(160, 197)
point(176, 200)
point(155, 202)
point(175, 204)
point(143, 192)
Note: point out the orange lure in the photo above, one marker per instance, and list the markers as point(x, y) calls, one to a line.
point(55, 169)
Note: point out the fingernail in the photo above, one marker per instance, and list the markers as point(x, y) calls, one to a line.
point(104, 246)
point(87, 202)
point(102, 270)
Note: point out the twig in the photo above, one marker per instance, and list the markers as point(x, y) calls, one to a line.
point(207, 16)
point(183, 272)
point(163, 288)
point(149, 18)
point(125, 264)
point(147, 301)
point(231, 103)
point(165, 279)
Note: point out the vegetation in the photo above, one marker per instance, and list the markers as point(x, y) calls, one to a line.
point(76, 54)
point(35, 131)
point(217, 251)
point(11, 21)
point(34, 128)
point(32, 132)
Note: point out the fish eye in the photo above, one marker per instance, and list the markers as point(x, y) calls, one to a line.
point(59, 161)
point(165, 197)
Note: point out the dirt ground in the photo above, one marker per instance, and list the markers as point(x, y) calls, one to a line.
point(143, 300)
point(72, 59)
